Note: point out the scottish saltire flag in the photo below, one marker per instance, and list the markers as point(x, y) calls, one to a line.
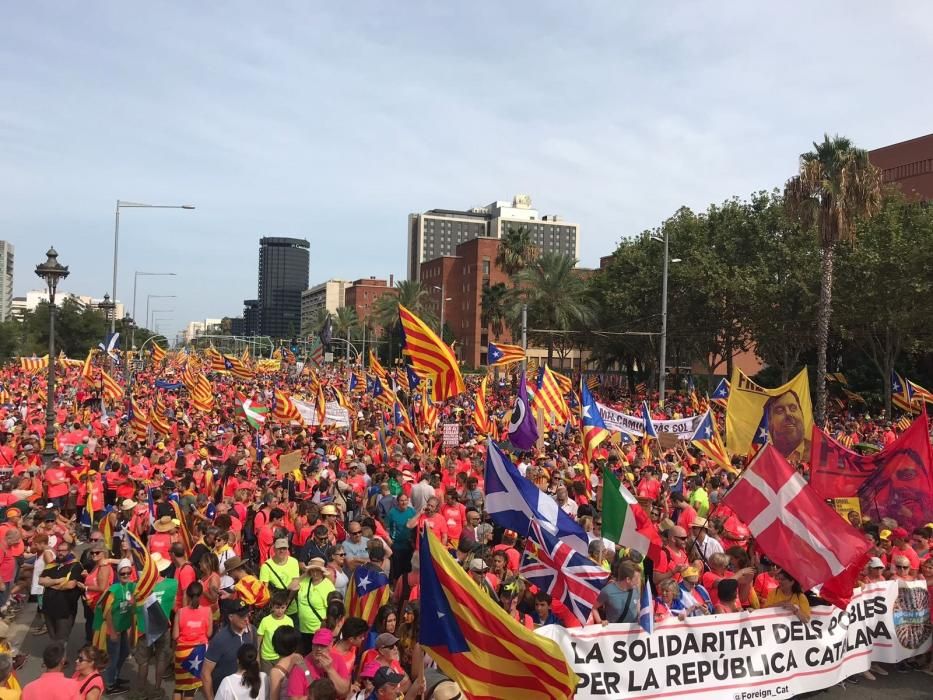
point(567, 575)
point(649, 425)
point(513, 502)
point(367, 591)
point(646, 609)
point(678, 485)
point(523, 431)
point(111, 343)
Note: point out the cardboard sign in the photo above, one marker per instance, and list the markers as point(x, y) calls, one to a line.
point(451, 434)
point(289, 462)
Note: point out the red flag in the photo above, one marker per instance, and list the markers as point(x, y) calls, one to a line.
point(791, 523)
point(838, 590)
point(896, 482)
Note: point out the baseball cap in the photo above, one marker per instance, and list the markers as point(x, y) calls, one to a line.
point(370, 669)
point(386, 639)
point(281, 543)
point(323, 637)
point(899, 533)
point(477, 564)
point(386, 675)
point(233, 607)
point(884, 534)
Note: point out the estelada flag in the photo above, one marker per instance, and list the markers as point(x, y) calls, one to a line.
point(478, 644)
point(431, 357)
point(789, 415)
point(791, 523)
point(367, 591)
point(895, 483)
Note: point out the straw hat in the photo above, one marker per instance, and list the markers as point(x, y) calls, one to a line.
point(164, 524)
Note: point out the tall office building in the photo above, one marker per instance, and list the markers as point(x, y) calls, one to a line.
point(438, 232)
point(283, 276)
point(6, 280)
point(329, 295)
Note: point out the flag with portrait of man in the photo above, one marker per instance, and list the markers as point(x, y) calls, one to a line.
point(786, 411)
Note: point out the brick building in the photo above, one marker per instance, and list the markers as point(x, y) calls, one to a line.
point(462, 277)
point(363, 293)
point(908, 164)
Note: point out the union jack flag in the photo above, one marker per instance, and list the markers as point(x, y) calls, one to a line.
point(556, 567)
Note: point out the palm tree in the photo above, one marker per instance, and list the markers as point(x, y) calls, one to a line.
point(411, 295)
point(837, 186)
point(493, 303)
point(345, 321)
point(516, 250)
point(556, 296)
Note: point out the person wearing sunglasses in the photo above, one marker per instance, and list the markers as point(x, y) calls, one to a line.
point(118, 621)
point(99, 577)
point(89, 664)
point(902, 568)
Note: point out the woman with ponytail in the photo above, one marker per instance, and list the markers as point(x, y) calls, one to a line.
point(248, 683)
point(191, 630)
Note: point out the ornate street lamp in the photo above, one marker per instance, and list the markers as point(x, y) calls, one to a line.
point(51, 273)
point(107, 306)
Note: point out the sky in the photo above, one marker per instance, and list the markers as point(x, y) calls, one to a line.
point(334, 121)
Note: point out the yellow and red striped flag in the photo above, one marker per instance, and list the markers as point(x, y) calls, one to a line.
point(549, 399)
point(159, 422)
point(87, 370)
point(113, 392)
point(202, 397)
point(158, 354)
point(367, 591)
point(138, 423)
point(320, 404)
point(404, 426)
point(32, 365)
point(480, 415)
point(563, 382)
point(429, 412)
point(478, 644)
point(500, 354)
point(431, 357)
point(284, 409)
point(375, 366)
point(145, 568)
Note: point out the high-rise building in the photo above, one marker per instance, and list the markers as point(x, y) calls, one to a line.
point(283, 276)
point(251, 317)
point(6, 280)
point(329, 295)
point(908, 164)
point(438, 232)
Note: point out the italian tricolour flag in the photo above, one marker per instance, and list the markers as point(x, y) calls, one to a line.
point(624, 521)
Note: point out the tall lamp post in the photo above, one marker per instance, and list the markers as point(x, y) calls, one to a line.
point(149, 298)
point(136, 276)
point(107, 307)
point(116, 238)
point(129, 325)
point(443, 290)
point(51, 273)
point(662, 361)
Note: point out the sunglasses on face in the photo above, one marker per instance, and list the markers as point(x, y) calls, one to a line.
point(901, 567)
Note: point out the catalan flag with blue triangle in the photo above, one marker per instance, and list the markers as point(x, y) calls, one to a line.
point(478, 644)
point(367, 591)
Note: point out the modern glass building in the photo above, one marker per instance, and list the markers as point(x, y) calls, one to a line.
point(283, 276)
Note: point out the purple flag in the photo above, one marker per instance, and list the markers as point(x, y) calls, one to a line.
point(523, 431)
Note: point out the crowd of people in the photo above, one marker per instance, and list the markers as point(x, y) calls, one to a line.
point(253, 562)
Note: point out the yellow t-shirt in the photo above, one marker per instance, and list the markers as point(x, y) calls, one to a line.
point(267, 627)
point(776, 598)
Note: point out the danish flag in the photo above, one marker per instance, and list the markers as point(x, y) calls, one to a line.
point(791, 523)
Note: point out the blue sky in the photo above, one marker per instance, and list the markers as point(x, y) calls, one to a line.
point(333, 121)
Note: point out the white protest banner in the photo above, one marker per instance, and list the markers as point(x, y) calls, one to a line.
point(619, 422)
point(334, 413)
point(765, 653)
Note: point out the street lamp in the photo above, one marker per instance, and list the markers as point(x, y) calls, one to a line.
point(51, 273)
point(106, 306)
point(662, 369)
point(136, 276)
point(444, 297)
point(129, 325)
point(149, 297)
point(116, 238)
point(152, 319)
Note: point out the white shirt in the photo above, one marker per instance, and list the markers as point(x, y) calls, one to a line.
point(232, 688)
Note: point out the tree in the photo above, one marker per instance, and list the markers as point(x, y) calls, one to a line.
point(836, 186)
point(411, 295)
point(556, 295)
point(77, 329)
point(494, 304)
point(345, 321)
point(516, 251)
point(885, 285)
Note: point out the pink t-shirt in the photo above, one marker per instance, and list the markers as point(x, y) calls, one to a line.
point(53, 684)
point(303, 674)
